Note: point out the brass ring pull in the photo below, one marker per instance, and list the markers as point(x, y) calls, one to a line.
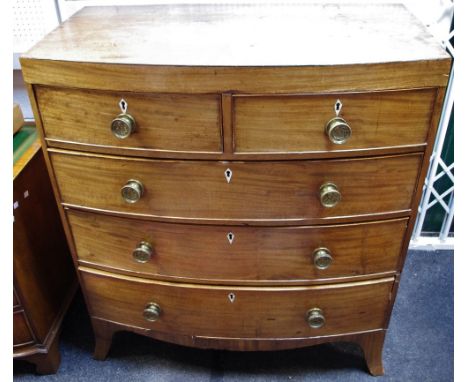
point(152, 312)
point(132, 191)
point(330, 196)
point(322, 258)
point(123, 126)
point(338, 130)
point(315, 318)
point(143, 252)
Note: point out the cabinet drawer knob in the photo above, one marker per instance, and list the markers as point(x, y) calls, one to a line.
point(132, 191)
point(315, 318)
point(338, 130)
point(330, 196)
point(152, 312)
point(123, 126)
point(322, 258)
point(143, 252)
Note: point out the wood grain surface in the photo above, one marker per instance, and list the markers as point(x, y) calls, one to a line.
point(278, 191)
point(420, 187)
point(247, 88)
point(269, 124)
point(371, 341)
point(18, 119)
point(43, 272)
point(197, 253)
point(255, 313)
point(239, 48)
point(278, 80)
point(21, 333)
point(241, 35)
point(39, 248)
point(167, 122)
point(16, 302)
point(27, 156)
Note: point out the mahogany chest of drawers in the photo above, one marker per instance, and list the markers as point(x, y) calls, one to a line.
point(239, 177)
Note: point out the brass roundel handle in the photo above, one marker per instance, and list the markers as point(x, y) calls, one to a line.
point(132, 191)
point(315, 318)
point(143, 252)
point(123, 126)
point(322, 258)
point(330, 196)
point(152, 312)
point(338, 130)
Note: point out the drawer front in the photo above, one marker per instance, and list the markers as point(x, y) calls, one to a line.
point(257, 191)
point(278, 124)
point(198, 252)
point(183, 123)
point(237, 312)
point(21, 332)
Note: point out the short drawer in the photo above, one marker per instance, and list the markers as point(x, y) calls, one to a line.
point(282, 124)
point(230, 254)
point(166, 122)
point(237, 312)
point(256, 191)
point(21, 333)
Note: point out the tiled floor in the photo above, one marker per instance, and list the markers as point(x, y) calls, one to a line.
point(419, 345)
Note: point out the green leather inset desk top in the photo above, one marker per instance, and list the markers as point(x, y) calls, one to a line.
point(22, 140)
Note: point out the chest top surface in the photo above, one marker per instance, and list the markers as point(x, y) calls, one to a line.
point(241, 35)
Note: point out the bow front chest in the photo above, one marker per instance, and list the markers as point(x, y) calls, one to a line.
point(241, 177)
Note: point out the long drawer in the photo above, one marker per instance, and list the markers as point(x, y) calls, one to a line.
point(165, 122)
point(237, 312)
point(232, 254)
point(254, 191)
point(281, 124)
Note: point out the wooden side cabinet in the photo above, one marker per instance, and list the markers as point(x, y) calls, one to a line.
point(43, 275)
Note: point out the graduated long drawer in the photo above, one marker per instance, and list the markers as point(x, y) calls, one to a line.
point(236, 254)
point(257, 191)
point(236, 312)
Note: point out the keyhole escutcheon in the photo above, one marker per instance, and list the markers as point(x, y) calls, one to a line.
point(338, 106)
point(228, 175)
point(123, 106)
